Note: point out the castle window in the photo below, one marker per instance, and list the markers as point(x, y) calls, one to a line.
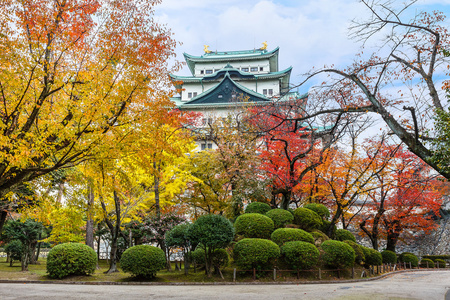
point(244, 69)
point(220, 96)
point(254, 69)
point(202, 72)
point(194, 94)
point(261, 69)
point(189, 95)
point(209, 71)
point(270, 92)
point(264, 92)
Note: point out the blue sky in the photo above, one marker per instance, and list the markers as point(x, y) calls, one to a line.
point(310, 33)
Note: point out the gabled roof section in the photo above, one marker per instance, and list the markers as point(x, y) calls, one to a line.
point(227, 91)
point(230, 56)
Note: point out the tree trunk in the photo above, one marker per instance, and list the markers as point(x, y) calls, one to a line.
point(90, 219)
point(186, 262)
point(391, 240)
point(3, 215)
point(114, 230)
point(286, 199)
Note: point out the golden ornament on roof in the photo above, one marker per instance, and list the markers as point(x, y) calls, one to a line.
point(205, 48)
point(264, 46)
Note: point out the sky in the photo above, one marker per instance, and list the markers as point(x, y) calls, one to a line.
point(310, 33)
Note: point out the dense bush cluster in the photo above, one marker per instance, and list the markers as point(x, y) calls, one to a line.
point(143, 261)
point(359, 253)
point(71, 259)
point(254, 225)
point(300, 255)
point(440, 263)
point(372, 257)
point(343, 235)
point(255, 253)
point(257, 208)
point(307, 219)
point(337, 254)
point(283, 235)
point(280, 217)
point(426, 263)
point(15, 250)
point(407, 257)
point(389, 257)
point(319, 237)
point(319, 209)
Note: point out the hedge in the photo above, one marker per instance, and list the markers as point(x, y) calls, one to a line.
point(440, 263)
point(300, 255)
point(307, 219)
point(253, 225)
point(280, 217)
point(389, 257)
point(337, 254)
point(71, 259)
point(143, 261)
point(426, 263)
point(257, 208)
point(344, 234)
point(372, 257)
point(255, 253)
point(359, 253)
point(283, 235)
point(408, 257)
point(319, 209)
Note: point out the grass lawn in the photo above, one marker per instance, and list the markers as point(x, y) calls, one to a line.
point(38, 272)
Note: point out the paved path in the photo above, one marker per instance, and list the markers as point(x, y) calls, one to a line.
point(427, 285)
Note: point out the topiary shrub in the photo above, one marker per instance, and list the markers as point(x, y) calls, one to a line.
point(254, 226)
point(307, 219)
point(319, 237)
point(255, 253)
point(257, 208)
point(389, 257)
point(300, 255)
point(359, 253)
point(408, 257)
point(198, 256)
point(71, 259)
point(143, 261)
point(283, 235)
point(426, 263)
point(15, 250)
point(319, 209)
point(343, 234)
point(280, 217)
point(373, 257)
point(220, 258)
point(440, 263)
point(337, 254)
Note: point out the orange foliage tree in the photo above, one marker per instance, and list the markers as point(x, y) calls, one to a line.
point(70, 71)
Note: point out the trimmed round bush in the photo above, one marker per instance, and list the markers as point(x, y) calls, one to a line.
point(280, 217)
point(255, 253)
point(300, 255)
point(71, 259)
point(408, 257)
point(220, 258)
point(343, 235)
point(143, 261)
point(198, 256)
point(15, 250)
point(373, 257)
point(307, 219)
point(257, 208)
point(426, 263)
point(253, 225)
point(337, 254)
point(359, 253)
point(284, 235)
point(440, 262)
point(212, 231)
point(389, 257)
point(319, 209)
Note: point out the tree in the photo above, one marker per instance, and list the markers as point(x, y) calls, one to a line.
point(72, 71)
point(407, 199)
point(410, 59)
point(28, 232)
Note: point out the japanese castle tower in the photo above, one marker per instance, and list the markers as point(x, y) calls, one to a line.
point(220, 80)
point(223, 81)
